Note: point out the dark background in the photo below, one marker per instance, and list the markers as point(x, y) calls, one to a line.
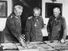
point(28, 5)
point(49, 8)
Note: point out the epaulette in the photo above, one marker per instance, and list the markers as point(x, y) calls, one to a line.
point(30, 17)
point(11, 16)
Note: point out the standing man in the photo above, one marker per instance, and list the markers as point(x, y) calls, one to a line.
point(56, 26)
point(34, 25)
point(13, 26)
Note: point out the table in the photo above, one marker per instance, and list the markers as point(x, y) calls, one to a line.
point(10, 50)
point(34, 46)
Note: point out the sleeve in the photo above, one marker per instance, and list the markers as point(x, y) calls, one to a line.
point(13, 28)
point(42, 23)
point(28, 30)
point(64, 28)
point(49, 26)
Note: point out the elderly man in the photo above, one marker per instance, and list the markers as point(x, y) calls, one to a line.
point(13, 26)
point(34, 25)
point(56, 26)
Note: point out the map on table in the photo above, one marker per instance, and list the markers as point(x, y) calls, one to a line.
point(58, 45)
point(37, 46)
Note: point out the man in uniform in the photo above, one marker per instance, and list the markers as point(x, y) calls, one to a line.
point(13, 26)
point(56, 26)
point(34, 25)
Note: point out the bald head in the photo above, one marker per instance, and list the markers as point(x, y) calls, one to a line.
point(18, 9)
point(37, 11)
point(56, 11)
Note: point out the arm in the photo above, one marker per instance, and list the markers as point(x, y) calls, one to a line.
point(28, 30)
point(42, 24)
point(64, 29)
point(13, 28)
point(49, 26)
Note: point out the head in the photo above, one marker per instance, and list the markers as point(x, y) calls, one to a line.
point(56, 11)
point(18, 9)
point(36, 11)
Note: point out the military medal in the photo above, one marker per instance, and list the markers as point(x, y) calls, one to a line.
point(35, 24)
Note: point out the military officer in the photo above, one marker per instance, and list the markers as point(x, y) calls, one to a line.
point(34, 25)
point(56, 26)
point(13, 26)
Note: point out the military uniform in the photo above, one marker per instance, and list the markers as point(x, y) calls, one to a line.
point(56, 28)
point(12, 31)
point(33, 28)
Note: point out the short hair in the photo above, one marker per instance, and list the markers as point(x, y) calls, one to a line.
point(18, 7)
point(57, 8)
point(37, 8)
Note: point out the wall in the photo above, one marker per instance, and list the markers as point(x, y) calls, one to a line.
point(64, 11)
point(9, 10)
point(44, 31)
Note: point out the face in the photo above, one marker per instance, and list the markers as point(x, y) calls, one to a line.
point(56, 12)
point(36, 12)
point(18, 11)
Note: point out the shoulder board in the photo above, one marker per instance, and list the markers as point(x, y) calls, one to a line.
point(11, 16)
point(30, 17)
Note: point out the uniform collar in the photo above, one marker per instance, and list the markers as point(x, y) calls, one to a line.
point(36, 17)
point(58, 17)
point(17, 17)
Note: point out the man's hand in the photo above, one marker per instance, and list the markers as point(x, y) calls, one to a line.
point(27, 42)
point(62, 41)
point(22, 41)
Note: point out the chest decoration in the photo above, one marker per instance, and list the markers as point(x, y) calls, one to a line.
point(36, 23)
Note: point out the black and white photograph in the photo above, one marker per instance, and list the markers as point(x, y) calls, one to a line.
point(3, 8)
point(33, 25)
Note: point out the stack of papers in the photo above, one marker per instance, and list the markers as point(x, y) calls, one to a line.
point(30, 48)
point(35, 46)
point(9, 46)
point(58, 45)
point(52, 44)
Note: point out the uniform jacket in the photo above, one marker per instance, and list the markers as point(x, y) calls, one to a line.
point(33, 29)
point(12, 29)
point(56, 28)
